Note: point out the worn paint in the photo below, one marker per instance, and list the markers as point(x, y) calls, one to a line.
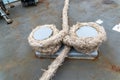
point(17, 59)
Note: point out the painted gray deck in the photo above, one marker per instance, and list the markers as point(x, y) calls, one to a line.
point(17, 59)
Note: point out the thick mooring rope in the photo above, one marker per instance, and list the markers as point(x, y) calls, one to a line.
point(53, 43)
point(48, 74)
point(85, 44)
point(81, 44)
point(42, 45)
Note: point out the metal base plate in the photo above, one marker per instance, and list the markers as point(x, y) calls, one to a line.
point(73, 54)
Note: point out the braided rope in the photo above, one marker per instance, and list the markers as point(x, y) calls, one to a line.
point(49, 73)
point(53, 43)
point(85, 44)
point(46, 46)
point(82, 44)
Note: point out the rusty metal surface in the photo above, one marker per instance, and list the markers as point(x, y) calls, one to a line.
point(17, 59)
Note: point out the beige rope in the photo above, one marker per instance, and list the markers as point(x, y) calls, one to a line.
point(48, 74)
point(85, 44)
point(53, 43)
point(39, 45)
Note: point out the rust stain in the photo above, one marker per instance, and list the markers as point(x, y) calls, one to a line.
point(115, 68)
point(34, 17)
point(8, 66)
point(0, 67)
point(109, 65)
point(15, 24)
point(112, 66)
point(45, 2)
point(41, 1)
point(15, 62)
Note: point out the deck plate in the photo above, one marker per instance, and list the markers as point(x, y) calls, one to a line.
point(73, 54)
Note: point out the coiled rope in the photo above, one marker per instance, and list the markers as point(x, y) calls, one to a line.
point(85, 44)
point(81, 44)
point(48, 74)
